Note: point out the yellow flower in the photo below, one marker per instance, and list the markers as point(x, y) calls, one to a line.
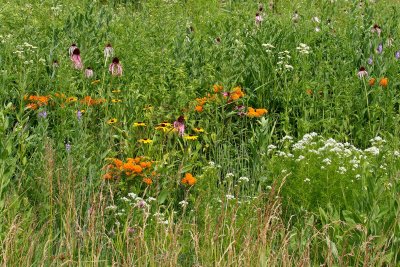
point(72, 99)
point(83, 111)
point(116, 91)
point(145, 141)
point(112, 121)
point(198, 130)
point(190, 137)
point(164, 126)
point(139, 124)
point(116, 100)
point(96, 82)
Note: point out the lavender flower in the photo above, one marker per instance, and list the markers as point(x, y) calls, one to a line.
point(79, 114)
point(68, 147)
point(179, 125)
point(115, 67)
point(370, 61)
point(397, 54)
point(42, 114)
point(379, 49)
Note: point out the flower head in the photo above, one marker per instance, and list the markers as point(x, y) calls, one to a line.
point(112, 121)
point(139, 124)
point(379, 49)
point(371, 82)
point(179, 125)
point(384, 82)
point(362, 72)
point(199, 108)
point(258, 19)
point(145, 141)
point(89, 73)
point(108, 51)
point(76, 58)
point(188, 179)
point(397, 54)
point(190, 137)
point(198, 130)
point(43, 114)
point(115, 67)
point(71, 49)
point(147, 181)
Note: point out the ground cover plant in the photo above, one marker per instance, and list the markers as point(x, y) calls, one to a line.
point(199, 133)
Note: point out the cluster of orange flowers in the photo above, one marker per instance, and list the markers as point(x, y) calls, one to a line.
point(255, 113)
point(36, 101)
point(383, 82)
point(236, 93)
point(189, 179)
point(131, 167)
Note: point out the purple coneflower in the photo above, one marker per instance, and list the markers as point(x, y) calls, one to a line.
point(108, 51)
point(76, 59)
point(376, 29)
point(115, 67)
point(295, 17)
point(362, 73)
point(89, 72)
point(240, 110)
point(179, 125)
point(71, 49)
point(258, 19)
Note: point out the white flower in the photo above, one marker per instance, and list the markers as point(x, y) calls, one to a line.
point(373, 150)
point(112, 207)
point(183, 203)
point(342, 170)
point(132, 195)
point(307, 180)
point(244, 179)
point(229, 175)
point(230, 197)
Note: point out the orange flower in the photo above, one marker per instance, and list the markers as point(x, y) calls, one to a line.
point(189, 179)
point(148, 181)
point(32, 106)
point(118, 163)
point(255, 113)
point(107, 176)
point(237, 93)
point(371, 82)
point(145, 164)
point(309, 92)
point(199, 108)
point(218, 88)
point(384, 82)
point(201, 101)
point(129, 166)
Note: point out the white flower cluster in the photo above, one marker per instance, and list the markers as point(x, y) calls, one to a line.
point(303, 48)
point(268, 47)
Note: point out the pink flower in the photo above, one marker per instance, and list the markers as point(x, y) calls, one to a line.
point(108, 51)
point(89, 73)
point(115, 67)
point(376, 29)
point(179, 125)
point(258, 19)
point(362, 73)
point(76, 59)
point(71, 49)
